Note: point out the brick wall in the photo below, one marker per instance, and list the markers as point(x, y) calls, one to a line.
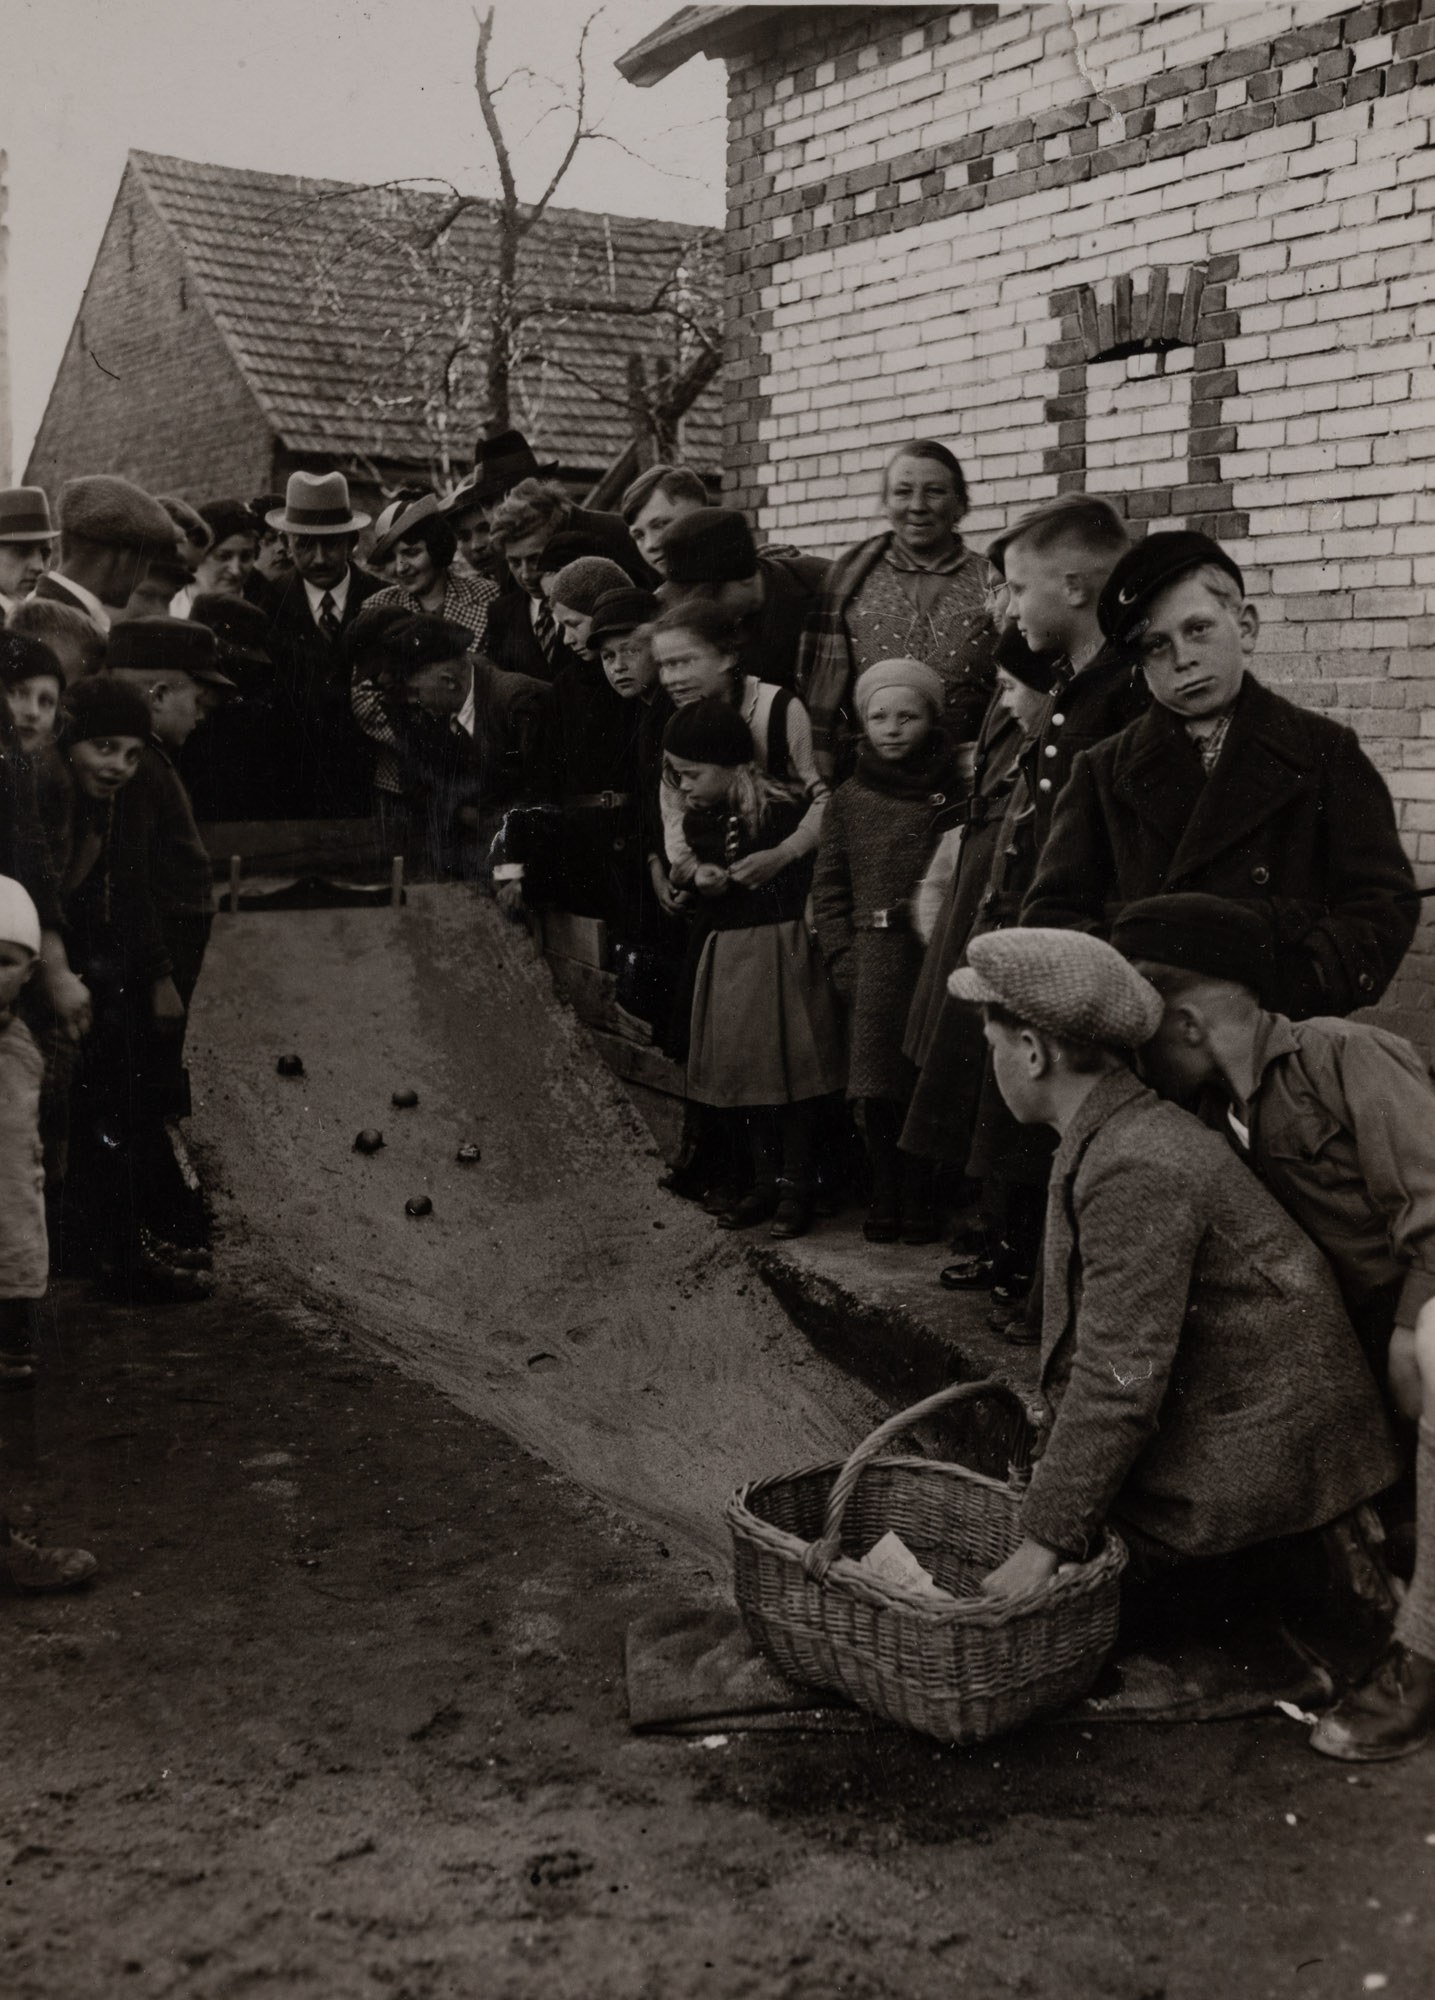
point(7, 442)
point(147, 387)
point(1182, 255)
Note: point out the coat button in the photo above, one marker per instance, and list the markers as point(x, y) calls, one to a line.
point(1057, 721)
point(1260, 875)
point(1365, 983)
point(936, 799)
point(1050, 750)
point(1043, 784)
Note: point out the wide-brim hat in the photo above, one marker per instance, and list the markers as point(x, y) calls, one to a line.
point(499, 463)
point(317, 503)
point(398, 520)
point(25, 515)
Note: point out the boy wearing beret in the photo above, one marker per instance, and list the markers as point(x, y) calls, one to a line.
point(1224, 787)
point(1338, 1119)
point(1208, 1392)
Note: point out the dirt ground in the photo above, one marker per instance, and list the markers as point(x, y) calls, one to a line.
point(344, 1714)
point(344, 1717)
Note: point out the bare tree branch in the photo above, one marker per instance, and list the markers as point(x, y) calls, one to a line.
point(579, 133)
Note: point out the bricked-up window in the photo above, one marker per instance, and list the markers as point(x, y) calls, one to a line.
point(1138, 424)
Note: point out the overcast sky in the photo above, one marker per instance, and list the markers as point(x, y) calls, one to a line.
point(323, 87)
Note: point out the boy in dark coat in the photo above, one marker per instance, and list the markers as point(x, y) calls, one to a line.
point(1224, 787)
point(1338, 1119)
point(1208, 1391)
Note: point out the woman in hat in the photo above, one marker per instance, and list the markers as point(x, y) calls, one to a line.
point(915, 591)
point(413, 533)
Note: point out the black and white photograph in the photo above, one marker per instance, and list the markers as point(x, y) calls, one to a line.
point(717, 1000)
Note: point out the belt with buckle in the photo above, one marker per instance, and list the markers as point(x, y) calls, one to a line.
point(894, 918)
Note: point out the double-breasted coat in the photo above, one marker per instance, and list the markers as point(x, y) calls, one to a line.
point(1208, 1388)
point(1294, 819)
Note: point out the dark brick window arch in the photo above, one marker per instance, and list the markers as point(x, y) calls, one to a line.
point(1164, 322)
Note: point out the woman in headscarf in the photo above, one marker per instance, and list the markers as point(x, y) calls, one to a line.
point(916, 592)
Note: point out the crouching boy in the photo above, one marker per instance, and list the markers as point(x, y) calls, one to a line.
point(1338, 1119)
point(1207, 1388)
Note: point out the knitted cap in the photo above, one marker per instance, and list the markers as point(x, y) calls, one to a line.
point(910, 674)
point(1065, 983)
point(101, 508)
point(583, 584)
point(708, 732)
point(1209, 935)
point(710, 545)
point(19, 919)
point(99, 705)
point(25, 659)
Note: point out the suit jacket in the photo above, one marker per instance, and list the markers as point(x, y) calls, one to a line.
point(1207, 1385)
point(1294, 819)
point(51, 589)
point(510, 641)
point(321, 763)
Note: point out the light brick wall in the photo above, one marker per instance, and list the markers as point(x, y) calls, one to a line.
point(948, 228)
point(147, 387)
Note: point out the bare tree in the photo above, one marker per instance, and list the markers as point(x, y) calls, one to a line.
point(445, 309)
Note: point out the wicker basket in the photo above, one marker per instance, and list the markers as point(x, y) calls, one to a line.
point(962, 1672)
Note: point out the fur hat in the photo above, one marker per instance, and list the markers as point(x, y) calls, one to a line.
point(708, 732)
point(101, 508)
point(583, 584)
point(1063, 983)
point(25, 659)
point(911, 674)
point(19, 919)
point(99, 705)
point(710, 545)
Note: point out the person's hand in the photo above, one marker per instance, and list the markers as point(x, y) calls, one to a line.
point(755, 870)
point(1410, 1367)
point(166, 1007)
point(672, 901)
point(1425, 1357)
point(1028, 1567)
point(70, 998)
point(509, 897)
point(709, 879)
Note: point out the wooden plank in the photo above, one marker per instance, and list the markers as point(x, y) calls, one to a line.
point(297, 846)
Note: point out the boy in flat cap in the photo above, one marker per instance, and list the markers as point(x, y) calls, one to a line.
point(1209, 1394)
point(1225, 787)
point(1338, 1119)
point(109, 532)
point(710, 552)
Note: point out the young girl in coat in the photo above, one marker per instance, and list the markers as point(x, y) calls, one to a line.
point(877, 837)
point(764, 1036)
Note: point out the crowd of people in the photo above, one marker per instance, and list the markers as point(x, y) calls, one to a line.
point(992, 886)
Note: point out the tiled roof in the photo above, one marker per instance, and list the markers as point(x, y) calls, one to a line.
point(342, 325)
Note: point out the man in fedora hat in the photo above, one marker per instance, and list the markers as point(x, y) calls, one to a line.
point(322, 761)
point(26, 538)
point(110, 531)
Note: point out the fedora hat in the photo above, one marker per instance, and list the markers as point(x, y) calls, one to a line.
point(499, 463)
point(317, 503)
point(25, 515)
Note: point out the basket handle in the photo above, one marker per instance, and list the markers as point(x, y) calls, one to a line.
point(820, 1555)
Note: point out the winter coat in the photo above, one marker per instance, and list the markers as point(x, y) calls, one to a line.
point(877, 837)
point(1294, 819)
point(1207, 1385)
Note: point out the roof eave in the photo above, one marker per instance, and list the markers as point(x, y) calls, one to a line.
point(692, 31)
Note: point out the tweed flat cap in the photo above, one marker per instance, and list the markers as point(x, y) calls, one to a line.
point(101, 508)
point(166, 646)
point(1066, 983)
point(1151, 567)
point(1210, 935)
point(710, 545)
